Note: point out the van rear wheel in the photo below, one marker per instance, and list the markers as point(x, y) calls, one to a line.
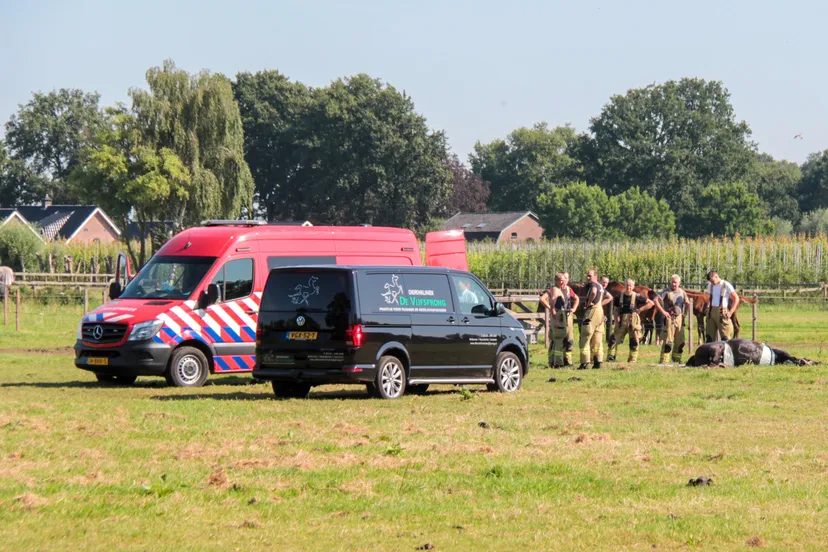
point(188, 368)
point(390, 379)
point(290, 390)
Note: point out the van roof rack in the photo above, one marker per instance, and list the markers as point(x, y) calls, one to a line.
point(233, 222)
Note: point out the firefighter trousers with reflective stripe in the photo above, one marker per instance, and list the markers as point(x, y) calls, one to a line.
point(630, 324)
point(563, 338)
point(673, 337)
point(592, 335)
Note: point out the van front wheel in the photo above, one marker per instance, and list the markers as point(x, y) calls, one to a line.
point(508, 373)
point(390, 382)
point(188, 368)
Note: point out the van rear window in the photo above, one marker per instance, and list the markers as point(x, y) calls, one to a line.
point(307, 290)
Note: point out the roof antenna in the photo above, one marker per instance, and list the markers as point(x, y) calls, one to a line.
point(189, 243)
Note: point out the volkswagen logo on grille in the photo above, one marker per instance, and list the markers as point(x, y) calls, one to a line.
point(300, 320)
point(97, 332)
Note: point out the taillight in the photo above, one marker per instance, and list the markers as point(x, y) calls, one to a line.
point(258, 335)
point(356, 335)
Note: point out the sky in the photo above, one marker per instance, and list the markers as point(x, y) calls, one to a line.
point(475, 69)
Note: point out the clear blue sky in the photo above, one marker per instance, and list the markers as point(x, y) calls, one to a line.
point(477, 69)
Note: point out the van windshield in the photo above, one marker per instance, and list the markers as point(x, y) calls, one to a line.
point(168, 278)
point(307, 290)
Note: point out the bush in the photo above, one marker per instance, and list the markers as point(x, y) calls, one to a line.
point(815, 222)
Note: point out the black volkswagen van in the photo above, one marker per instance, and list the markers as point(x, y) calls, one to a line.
point(394, 329)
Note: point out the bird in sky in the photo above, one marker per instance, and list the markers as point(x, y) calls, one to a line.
point(799, 136)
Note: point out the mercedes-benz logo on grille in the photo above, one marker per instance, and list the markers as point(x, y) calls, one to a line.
point(97, 332)
point(300, 320)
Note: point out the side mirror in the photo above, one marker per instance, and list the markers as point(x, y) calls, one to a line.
point(499, 309)
point(115, 290)
point(209, 296)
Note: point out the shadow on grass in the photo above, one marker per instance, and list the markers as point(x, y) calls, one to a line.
point(339, 394)
point(155, 383)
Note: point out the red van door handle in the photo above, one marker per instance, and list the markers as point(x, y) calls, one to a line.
point(250, 312)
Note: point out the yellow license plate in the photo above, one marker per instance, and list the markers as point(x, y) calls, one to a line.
point(97, 361)
point(302, 336)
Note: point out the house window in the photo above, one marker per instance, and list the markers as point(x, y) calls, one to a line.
point(514, 235)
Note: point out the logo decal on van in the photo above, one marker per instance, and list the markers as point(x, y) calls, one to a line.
point(303, 292)
point(393, 290)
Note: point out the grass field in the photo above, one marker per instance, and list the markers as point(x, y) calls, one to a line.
point(596, 460)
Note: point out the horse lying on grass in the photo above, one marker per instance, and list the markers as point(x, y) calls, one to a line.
point(736, 352)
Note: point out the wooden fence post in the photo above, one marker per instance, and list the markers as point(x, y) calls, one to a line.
point(546, 329)
point(5, 305)
point(17, 313)
point(690, 331)
point(755, 306)
point(85, 301)
point(103, 297)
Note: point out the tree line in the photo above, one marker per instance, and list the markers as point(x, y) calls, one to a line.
point(667, 159)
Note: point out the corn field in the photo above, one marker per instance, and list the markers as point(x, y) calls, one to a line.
point(761, 261)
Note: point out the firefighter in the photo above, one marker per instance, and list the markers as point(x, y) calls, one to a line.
point(627, 307)
point(723, 303)
point(672, 303)
point(561, 302)
point(592, 324)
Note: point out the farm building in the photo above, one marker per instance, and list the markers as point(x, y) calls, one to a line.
point(72, 223)
point(511, 226)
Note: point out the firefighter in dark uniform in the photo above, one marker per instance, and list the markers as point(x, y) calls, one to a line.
point(561, 302)
point(672, 304)
point(628, 307)
point(592, 324)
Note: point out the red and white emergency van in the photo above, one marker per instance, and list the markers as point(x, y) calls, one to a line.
point(192, 309)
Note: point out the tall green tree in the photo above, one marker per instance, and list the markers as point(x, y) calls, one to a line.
point(46, 136)
point(671, 140)
point(197, 118)
point(730, 209)
point(468, 191)
point(130, 179)
point(576, 210)
point(776, 182)
point(18, 186)
point(353, 152)
point(815, 222)
point(518, 167)
point(639, 215)
point(813, 188)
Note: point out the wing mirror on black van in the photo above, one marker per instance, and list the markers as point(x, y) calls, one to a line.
point(114, 290)
point(209, 296)
point(498, 309)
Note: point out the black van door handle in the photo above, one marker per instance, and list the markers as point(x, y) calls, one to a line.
point(465, 320)
point(450, 319)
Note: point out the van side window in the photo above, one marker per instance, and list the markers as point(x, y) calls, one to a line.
point(429, 293)
point(235, 279)
point(399, 292)
point(473, 298)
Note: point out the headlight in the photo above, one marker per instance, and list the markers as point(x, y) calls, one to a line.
point(145, 330)
point(80, 330)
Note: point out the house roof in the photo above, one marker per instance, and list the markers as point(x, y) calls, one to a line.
point(490, 224)
point(62, 221)
point(6, 214)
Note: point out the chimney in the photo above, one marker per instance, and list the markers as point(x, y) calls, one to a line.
point(47, 201)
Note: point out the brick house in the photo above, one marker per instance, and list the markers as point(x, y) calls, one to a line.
point(511, 226)
point(72, 223)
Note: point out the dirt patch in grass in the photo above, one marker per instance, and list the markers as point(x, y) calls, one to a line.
point(218, 479)
point(29, 501)
point(755, 541)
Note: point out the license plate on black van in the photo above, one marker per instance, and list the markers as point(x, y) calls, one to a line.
point(302, 336)
point(97, 361)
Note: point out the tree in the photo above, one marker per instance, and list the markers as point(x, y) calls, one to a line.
point(17, 184)
point(576, 210)
point(639, 215)
point(468, 191)
point(18, 245)
point(353, 152)
point(671, 140)
point(131, 180)
point(813, 188)
point(730, 209)
point(197, 118)
point(815, 222)
point(776, 184)
point(518, 167)
point(46, 136)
